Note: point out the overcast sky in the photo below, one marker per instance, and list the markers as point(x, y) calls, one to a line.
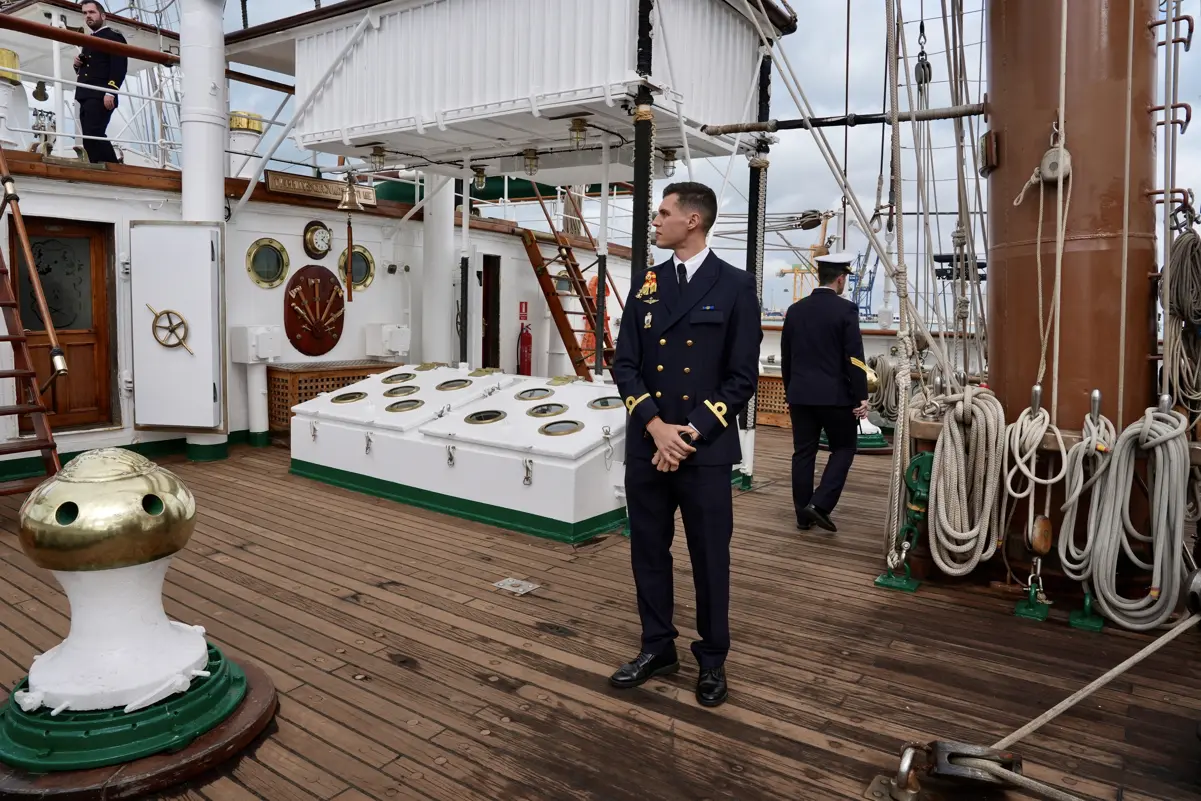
point(798, 178)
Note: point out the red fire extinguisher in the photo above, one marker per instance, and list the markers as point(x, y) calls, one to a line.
point(525, 350)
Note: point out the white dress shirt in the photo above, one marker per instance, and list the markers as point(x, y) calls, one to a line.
point(692, 265)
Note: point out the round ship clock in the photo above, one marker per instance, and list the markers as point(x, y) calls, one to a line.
point(317, 239)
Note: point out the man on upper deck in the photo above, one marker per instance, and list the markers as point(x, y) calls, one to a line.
point(100, 69)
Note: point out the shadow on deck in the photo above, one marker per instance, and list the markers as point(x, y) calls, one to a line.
point(404, 674)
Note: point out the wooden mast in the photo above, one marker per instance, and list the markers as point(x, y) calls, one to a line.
point(1022, 107)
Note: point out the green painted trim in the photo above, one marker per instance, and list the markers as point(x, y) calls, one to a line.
point(30, 466)
point(740, 480)
point(207, 453)
point(258, 439)
point(526, 523)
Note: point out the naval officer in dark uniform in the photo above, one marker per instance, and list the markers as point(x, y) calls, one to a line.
point(100, 69)
point(825, 384)
point(687, 363)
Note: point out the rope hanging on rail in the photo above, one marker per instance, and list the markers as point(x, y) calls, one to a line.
point(964, 514)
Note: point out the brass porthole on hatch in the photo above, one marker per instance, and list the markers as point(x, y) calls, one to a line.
point(349, 397)
point(399, 378)
point(561, 428)
point(402, 391)
point(484, 417)
point(547, 410)
point(421, 368)
point(535, 393)
point(454, 383)
point(404, 405)
point(267, 262)
point(607, 402)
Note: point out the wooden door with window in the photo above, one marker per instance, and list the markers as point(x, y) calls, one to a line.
point(72, 263)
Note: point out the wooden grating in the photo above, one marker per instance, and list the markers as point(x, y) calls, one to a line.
point(771, 405)
point(404, 674)
point(291, 384)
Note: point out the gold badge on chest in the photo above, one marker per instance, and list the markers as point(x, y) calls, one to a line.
point(650, 286)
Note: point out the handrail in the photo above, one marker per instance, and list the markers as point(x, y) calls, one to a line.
point(58, 360)
point(67, 36)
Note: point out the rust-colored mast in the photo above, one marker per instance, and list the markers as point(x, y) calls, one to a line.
point(1023, 98)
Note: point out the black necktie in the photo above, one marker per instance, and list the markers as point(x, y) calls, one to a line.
point(682, 274)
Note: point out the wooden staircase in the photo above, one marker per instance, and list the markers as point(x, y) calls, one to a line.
point(24, 375)
point(577, 288)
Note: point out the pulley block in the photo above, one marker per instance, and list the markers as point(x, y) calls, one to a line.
point(1041, 536)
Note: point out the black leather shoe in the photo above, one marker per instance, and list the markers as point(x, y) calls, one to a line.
point(819, 518)
point(804, 525)
point(645, 667)
point(711, 687)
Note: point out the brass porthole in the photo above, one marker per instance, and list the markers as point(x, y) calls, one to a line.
point(547, 410)
point(404, 405)
point(402, 391)
point(399, 378)
point(454, 383)
point(349, 397)
point(607, 402)
point(561, 428)
point(534, 393)
point(484, 417)
point(424, 366)
point(267, 262)
point(363, 270)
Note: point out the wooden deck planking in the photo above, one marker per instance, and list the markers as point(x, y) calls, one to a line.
point(404, 674)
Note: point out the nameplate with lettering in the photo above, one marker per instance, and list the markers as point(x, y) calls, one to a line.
point(287, 183)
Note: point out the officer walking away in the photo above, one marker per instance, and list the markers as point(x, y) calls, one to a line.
point(100, 69)
point(687, 363)
point(825, 384)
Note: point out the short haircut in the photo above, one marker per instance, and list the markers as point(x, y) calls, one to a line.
point(828, 273)
point(693, 196)
point(97, 3)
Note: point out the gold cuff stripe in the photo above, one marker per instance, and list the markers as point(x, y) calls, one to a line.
point(859, 364)
point(631, 403)
point(719, 411)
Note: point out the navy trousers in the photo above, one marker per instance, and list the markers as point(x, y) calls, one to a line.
point(842, 435)
point(703, 496)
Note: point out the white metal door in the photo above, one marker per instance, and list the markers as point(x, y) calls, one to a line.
point(175, 277)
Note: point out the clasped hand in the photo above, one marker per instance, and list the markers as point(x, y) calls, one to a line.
point(670, 448)
point(861, 410)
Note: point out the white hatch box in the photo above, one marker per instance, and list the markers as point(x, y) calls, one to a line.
point(542, 456)
point(178, 325)
point(498, 77)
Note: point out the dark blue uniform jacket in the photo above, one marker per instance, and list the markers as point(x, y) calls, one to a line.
point(691, 359)
point(821, 351)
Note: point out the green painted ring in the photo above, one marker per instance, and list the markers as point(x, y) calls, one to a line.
point(39, 743)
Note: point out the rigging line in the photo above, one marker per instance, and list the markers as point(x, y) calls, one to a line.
point(746, 111)
point(846, 131)
point(1060, 203)
point(1169, 30)
point(671, 77)
point(1125, 222)
point(927, 266)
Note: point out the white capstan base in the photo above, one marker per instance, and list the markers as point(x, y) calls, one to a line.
point(122, 651)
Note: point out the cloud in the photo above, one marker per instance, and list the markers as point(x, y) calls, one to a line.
point(798, 178)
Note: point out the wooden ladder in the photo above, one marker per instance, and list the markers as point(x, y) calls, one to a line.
point(577, 288)
point(24, 375)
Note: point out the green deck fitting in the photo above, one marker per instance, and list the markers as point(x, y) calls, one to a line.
point(1031, 608)
point(39, 742)
point(917, 485)
point(1084, 619)
point(865, 443)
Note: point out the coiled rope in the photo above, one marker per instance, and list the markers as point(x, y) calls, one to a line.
point(886, 398)
point(1182, 345)
point(1095, 447)
point(1162, 435)
point(964, 518)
